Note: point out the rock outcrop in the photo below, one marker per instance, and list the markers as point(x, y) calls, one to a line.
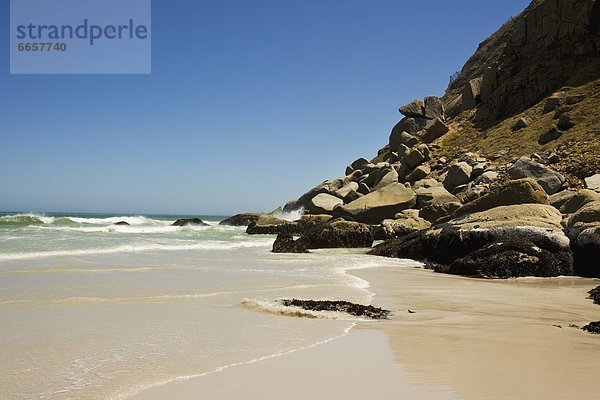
point(244, 219)
point(189, 221)
point(285, 243)
point(269, 225)
point(549, 45)
point(357, 310)
point(381, 204)
point(336, 234)
point(525, 167)
point(476, 244)
point(583, 229)
point(488, 180)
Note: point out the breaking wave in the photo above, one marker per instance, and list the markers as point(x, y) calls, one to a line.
point(25, 219)
point(207, 245)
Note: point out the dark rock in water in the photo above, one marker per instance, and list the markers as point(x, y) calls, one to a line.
point(241, 219)
point(592, 327)
point(121, 223)
point(189, 221)
point(288, 228)
point(357, 310)
point(337, 234)
point(286, 244)
point(510, 259)
point(595, 295)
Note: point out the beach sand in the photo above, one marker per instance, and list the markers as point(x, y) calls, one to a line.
point(467, 339)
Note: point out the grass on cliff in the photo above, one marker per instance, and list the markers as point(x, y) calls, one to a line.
point(578, 148)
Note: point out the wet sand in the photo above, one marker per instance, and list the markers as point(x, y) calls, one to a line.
point(467, 339)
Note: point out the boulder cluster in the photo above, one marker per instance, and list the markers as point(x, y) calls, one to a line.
point(466, 215)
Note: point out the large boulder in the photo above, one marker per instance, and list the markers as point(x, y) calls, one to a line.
point(346, 190)
point(378, 205)
point(407, 140)
point(520, 191)
point(583, 228)
point(545, 250)
point(558, 199)
point(405, 222)
point(324, 203)
point(388, 178)
point(435, 202)
point(270, 225)
point(525, 167)
point(436, 212)
point(434, 108)
point(506, 259)
point(408, 125)
point(434, 195)
point(357, 165)
point(550, 135)
point(241, 219)
point(285, 243)
point(189, 221)
point(471, 94)
point(304, 201)
point(414, 109)
point(578, 200)
point(434, 129)
point(593, 182)
point(414, 158)
point(458, 174)
point(419, 173)
point(336, 234)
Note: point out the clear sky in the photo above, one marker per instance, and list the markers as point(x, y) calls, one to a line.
point(249, 104)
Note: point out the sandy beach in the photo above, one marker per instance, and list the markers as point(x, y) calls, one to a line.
point(465, 339)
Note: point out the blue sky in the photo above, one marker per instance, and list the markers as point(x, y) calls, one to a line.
point(249, 104)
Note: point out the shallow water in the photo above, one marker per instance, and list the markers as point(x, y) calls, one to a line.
point(91, 310)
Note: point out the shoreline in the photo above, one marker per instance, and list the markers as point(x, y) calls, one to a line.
point(435, 352)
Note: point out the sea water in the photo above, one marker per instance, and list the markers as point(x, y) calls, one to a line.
point(94, 310)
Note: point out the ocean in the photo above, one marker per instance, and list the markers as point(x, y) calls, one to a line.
point(94, 310)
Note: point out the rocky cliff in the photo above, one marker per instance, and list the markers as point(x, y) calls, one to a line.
point(549, 45)
point(499, 177)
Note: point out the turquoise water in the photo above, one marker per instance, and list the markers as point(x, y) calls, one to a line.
point(93, 310)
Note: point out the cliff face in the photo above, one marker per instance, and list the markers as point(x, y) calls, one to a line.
point(551, 44)
point(486, 181)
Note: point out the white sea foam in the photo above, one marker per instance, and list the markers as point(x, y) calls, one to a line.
point(290, 216)
point(27, 218)
point(131, 220)
point(125, 228)
point(206, 245)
